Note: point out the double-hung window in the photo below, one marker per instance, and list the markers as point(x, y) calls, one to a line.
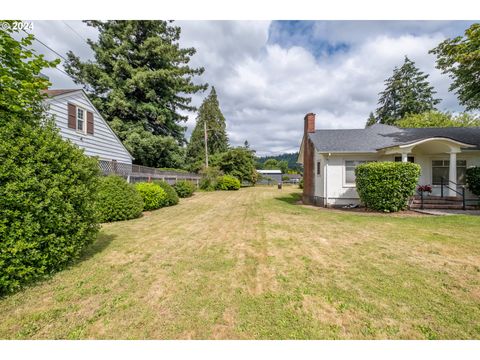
point(81, 120)
point(350, 166)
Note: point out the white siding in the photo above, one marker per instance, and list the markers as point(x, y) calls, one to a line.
point(103, 143)
point(340, 193)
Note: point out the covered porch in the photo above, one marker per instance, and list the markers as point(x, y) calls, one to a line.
point(443, 163)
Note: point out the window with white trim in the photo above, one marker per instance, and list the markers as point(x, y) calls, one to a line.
point(350, 166)
point(81, 120)
point(440, 168)
point(319, 168)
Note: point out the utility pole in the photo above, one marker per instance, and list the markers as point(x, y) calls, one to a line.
point(206, 143)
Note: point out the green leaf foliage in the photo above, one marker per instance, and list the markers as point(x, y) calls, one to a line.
point(386, 186)
point(149, 149)
point(460, 59)
point(227, 182)
point(47, 185)
point(117, 200)
point(47, 191)
point(238, 162)
point(438, 119)
point(210, 177)
point(473, 180)
point(407, 91)
point(140, 77)
point(20, 80)
point(300, 184)
point(172, 196)
point(184, 188)
point(154, 197)
point(209, 114)
point(290, 158)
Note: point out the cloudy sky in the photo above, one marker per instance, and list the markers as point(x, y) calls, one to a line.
point(268, 75)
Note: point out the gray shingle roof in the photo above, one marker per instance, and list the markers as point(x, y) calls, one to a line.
point(380, 136)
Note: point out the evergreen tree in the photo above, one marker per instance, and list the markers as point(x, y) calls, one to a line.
point(371, 120)
point(210, 114)
point(407, 91)
point(139, 80)
point(460, 58)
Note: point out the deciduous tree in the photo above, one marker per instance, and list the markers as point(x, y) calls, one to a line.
point(460, 59)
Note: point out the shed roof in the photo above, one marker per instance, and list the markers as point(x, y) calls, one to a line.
point(380, 136)
point(269, 171)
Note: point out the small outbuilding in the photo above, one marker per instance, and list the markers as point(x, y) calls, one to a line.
point(269, 177)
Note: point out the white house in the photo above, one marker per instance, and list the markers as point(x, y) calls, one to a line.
point(81, 123)
point(329, 158)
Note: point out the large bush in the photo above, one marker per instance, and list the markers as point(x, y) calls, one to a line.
point(117, 200)
point(238, 162)
point(473, 180)
point(184, 188)
point(386, 186)
point(47, 196)
point(227, 182)
point(210, 178)
point(153, 195)
point(172, 196)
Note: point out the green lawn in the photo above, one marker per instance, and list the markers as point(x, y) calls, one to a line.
point(253, 264)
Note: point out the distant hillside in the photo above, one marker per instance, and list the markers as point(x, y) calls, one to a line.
point(291, 158)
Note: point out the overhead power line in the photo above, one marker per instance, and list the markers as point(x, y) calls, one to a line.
point(76, 32)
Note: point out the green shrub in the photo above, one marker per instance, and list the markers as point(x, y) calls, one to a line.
point(184, 188)
point(47, 191)
point(473, 180)
point(172, 197)
point(227, 182)
point(300, 184)
point(386, 186)
point(117, 200)
point(154, 197)
point(210, 178)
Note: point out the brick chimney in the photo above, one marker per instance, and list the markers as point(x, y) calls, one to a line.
point(309, 123)
point(308, 160)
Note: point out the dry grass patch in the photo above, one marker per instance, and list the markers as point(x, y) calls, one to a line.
point(254, 264)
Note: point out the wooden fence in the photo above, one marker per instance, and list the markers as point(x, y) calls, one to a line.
point(137, 173)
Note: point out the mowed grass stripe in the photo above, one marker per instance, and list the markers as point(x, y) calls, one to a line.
point(253, 264)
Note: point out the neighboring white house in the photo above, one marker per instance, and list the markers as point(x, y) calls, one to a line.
point(81, 123)
point(330, 157)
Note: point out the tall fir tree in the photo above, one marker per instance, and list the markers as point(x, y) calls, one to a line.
point(371, 120)
point(140, 81)
point(407, 91)
point(210, 114)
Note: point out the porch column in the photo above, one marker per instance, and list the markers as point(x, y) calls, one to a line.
point(452, 174)
point(404, 157)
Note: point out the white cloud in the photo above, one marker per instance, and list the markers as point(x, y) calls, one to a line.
point(265, 88)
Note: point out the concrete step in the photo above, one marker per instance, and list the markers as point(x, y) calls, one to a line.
point(437, 201)
point(441, 206)
point(430, 197)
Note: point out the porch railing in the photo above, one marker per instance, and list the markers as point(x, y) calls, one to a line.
point(446, 182)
